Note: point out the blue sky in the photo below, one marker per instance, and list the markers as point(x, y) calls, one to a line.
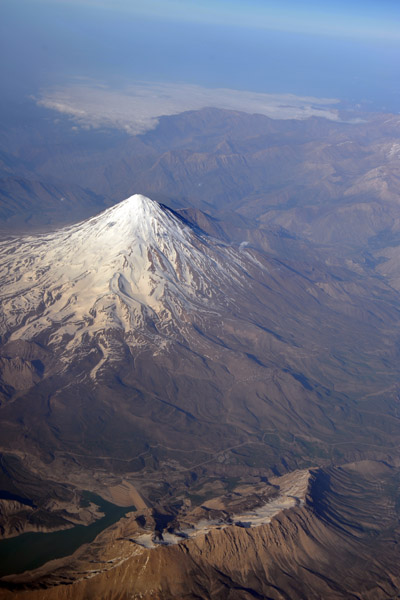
point(347, 50)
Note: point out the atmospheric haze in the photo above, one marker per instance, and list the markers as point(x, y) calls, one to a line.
point(199, 300)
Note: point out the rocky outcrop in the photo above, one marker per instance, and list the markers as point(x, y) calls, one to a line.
point(342, 544)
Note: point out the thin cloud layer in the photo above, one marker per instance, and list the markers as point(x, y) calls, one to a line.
point(136, 108)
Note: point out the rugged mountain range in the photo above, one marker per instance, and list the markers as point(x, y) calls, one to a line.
point(182, 362)
point(342, 542)
point(322, 180)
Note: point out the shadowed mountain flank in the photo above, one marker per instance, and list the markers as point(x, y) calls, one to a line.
point(213, 388)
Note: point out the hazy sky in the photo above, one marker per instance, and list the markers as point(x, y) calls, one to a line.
point(364, 19)
point(361, 18)
point(347, 50)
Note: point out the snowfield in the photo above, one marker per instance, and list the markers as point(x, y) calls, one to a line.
point(137, 265)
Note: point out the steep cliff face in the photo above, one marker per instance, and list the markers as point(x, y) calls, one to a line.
point(343, 543)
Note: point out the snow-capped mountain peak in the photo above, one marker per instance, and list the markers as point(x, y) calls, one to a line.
point(135, 263)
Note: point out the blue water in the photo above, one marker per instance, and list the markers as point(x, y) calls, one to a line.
point(31, 550)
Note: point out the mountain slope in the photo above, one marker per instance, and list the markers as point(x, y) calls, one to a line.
point(136, 264)
point(138, 351)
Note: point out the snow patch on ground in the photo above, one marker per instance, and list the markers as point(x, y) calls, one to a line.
point(293, 489)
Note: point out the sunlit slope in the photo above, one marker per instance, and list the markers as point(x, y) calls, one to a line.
point(135, 344)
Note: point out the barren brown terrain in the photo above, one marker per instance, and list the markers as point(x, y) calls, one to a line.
point(286, 361)
point(342, 543)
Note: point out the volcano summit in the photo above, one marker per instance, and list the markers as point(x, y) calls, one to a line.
point(137, 266)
